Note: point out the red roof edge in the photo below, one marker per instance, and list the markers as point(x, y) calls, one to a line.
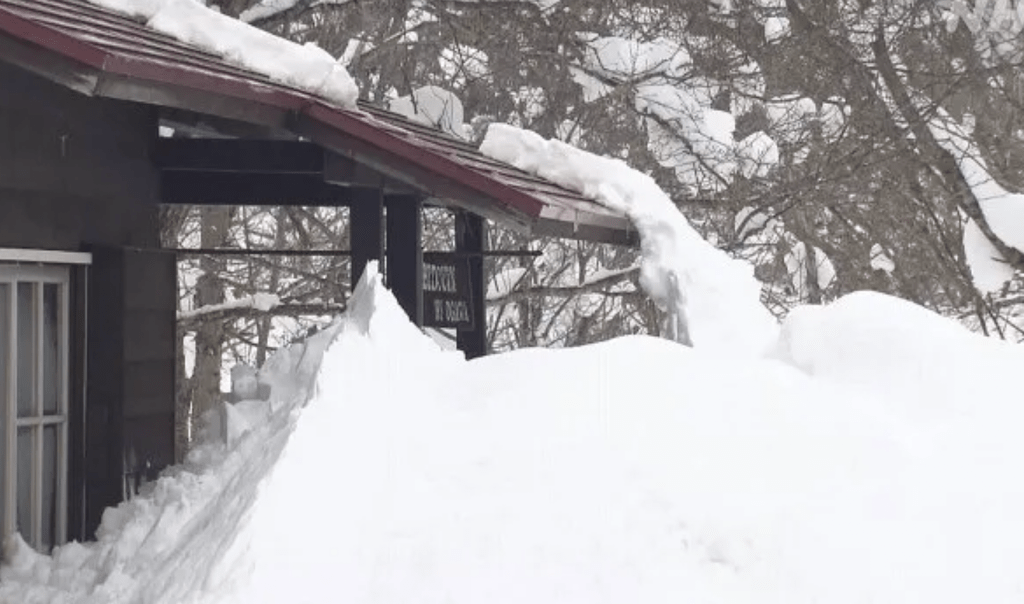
point(222, 84)
point(52, 39)
point(364, 129)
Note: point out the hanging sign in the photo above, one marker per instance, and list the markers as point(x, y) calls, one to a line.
point(447, 296)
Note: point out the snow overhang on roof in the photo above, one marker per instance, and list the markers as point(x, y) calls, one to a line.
point(99, 52)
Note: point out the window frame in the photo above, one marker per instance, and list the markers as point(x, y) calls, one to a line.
point(39, 268)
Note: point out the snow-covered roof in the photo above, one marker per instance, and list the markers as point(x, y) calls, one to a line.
point(167, 62)
point(306, 67)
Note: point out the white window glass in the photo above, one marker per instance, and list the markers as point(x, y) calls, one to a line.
point(5, 337)
point(26, 350)
point(50, 486)
point(34, 341)
point(51, 348)
point(24, 492)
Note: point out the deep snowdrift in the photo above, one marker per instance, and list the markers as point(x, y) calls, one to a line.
point(635, 471)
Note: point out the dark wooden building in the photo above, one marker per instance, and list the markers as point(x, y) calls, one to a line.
point(87, 297)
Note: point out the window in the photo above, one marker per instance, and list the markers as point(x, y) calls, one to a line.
point(34, 344)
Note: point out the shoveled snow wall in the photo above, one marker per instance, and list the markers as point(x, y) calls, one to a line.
point(636, 470)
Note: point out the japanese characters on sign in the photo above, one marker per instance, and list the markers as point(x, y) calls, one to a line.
point(447, 295)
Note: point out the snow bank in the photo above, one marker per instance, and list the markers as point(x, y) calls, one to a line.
point(461, 485)
point(172, 544)
point(665, 476)
point(920, 366)
point(718, 296)
point(306, 67)
point(954, 397)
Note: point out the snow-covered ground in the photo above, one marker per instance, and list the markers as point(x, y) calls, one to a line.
point(873, 457)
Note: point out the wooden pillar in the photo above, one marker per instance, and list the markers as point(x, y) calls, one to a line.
point(470, 236)
point(366, 230)
point(405, 254)
point(129, 414)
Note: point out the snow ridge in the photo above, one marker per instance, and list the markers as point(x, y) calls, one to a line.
point(716, 296)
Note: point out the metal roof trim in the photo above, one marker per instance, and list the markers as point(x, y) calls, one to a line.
point(158, 71)
point(426, 157)
point(22, 28)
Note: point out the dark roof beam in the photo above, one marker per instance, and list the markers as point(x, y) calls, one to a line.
point(239, 155)
point(149, 88)
point(268, 157)
point(203, 125)
point(345, 172)
point(442, 190)
point(248, 188)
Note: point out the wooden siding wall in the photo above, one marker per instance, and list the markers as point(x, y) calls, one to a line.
point(134, 333)
point(74, 168)
point(76, 173)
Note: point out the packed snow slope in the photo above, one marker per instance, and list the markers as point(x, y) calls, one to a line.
point(876, 458)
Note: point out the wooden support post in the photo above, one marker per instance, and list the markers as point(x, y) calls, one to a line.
point(366, 230)
point(470, 235)
point(129, 411)
point(405, 254)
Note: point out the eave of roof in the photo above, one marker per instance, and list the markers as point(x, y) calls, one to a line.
point(102, 53)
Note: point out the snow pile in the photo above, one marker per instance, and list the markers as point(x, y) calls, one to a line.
point(160, 547)
point(432, 106)
point(670, 476)
point(832, 118)
point(954, 398)
point(880, 259)
point(772, 14)
point(717, 296)
point(460, 485)
point(1004, 211)
point(922, 365)
point(306, 67)
point(199, 527)
point(776, 28)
